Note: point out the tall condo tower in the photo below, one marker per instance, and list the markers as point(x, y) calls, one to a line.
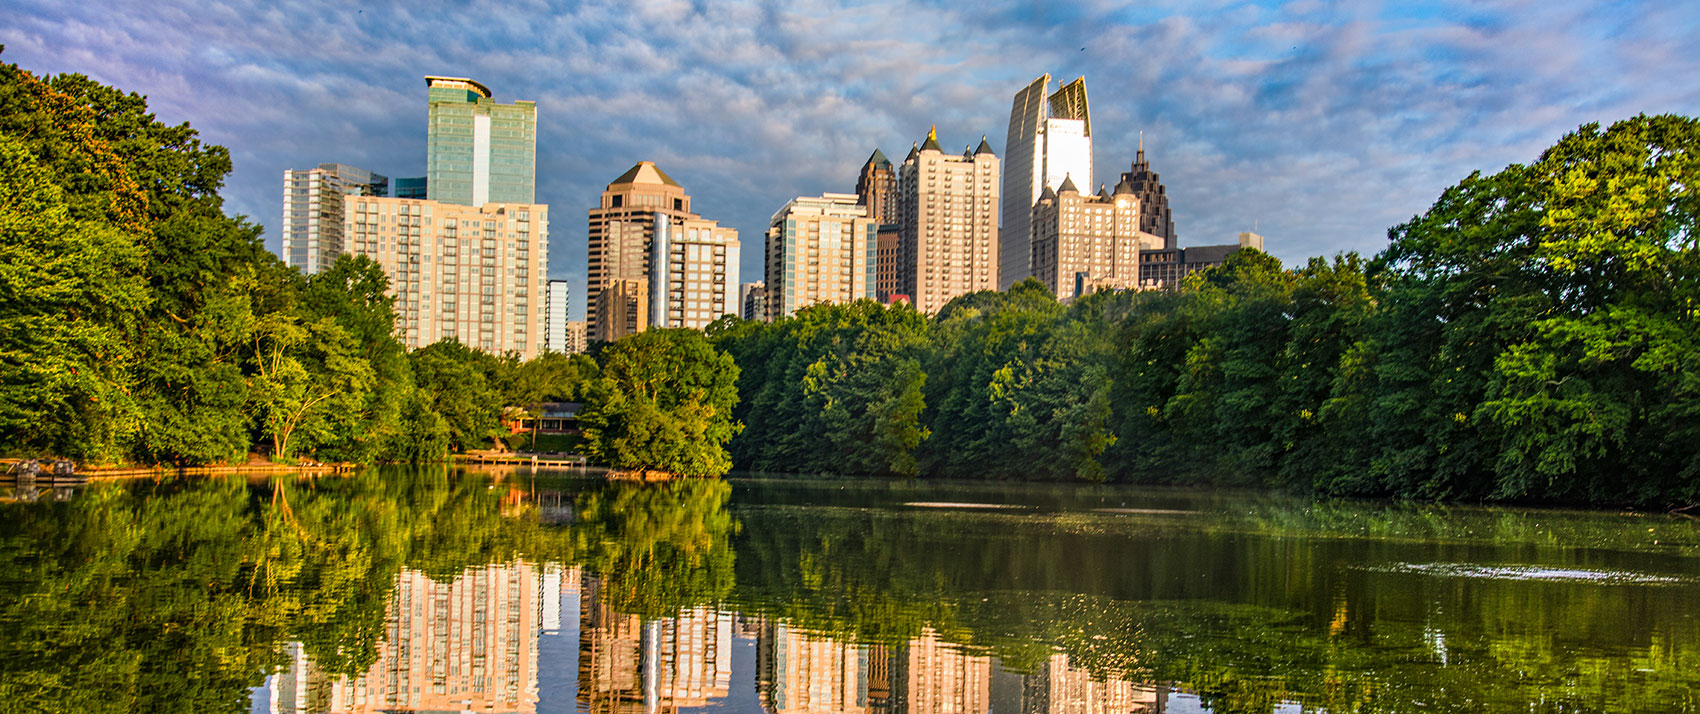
point(479, 151)
point(473, 273)
point(1083, 242)
point(1050, 139)
point(555, 317)
point(876, 188)
point(947, 223)
point(1155, 217)
point(312, 211)
point(819, 250)
point(459, 268)
point(645, 241)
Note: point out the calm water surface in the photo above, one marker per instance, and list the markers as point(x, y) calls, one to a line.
point(448, 590)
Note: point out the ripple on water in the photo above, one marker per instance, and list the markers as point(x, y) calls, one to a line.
point(1532, 573)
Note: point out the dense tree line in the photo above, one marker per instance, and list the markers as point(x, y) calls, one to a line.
point(1532, 336)
point(140, 323)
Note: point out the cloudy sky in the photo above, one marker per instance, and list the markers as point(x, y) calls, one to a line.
point(1320, 123)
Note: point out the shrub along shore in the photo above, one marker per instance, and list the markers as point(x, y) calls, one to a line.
point(1531, 337)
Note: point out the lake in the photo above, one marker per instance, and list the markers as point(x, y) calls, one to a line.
point(443, 589)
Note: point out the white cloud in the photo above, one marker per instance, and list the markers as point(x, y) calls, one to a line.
point(1322, 124)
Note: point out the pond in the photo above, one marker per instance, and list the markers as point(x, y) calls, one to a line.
point(444, 589)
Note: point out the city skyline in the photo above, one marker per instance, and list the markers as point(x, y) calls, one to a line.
point(1322, 126)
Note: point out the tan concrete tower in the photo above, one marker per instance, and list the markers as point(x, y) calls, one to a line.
point(947, 223)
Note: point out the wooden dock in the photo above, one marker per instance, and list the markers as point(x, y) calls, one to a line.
point(549, 461)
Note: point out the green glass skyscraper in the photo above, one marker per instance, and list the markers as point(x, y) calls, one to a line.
point(479, 151)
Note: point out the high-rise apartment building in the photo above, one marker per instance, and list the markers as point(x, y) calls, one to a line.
point(947, 223)
point(753, 298)
point(819, 249)
point(469, 262)
point(622, 309)
point(480, 151)
point(1050, 139)
point(886, 258)
point(473, 273)
point(645, 220)
point(577, 337)
point(555, 317)
point(876, 188)
point(313, 210)
point(1080, 239)
point(1155, 217)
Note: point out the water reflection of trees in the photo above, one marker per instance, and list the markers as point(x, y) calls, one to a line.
point(180, 595)
point(175, 595)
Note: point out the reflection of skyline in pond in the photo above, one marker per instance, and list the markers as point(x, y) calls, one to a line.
point(181, 594)
point(471, 644)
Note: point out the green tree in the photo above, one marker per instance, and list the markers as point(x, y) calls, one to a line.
point(663, 403)
point(68, 291)
point(454, 383)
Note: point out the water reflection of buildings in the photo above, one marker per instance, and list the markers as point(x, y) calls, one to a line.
point(1059, 688)
point(800, 673)
point(630, 666)
point(468, 644)
point(803, 673)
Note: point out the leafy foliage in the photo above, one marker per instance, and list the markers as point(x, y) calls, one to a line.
point(663, 403)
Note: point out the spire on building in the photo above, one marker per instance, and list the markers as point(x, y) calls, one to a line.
point(932, 141)
point(914, 151)
point(1067, 185)
point(878, 160)
point(985, 148)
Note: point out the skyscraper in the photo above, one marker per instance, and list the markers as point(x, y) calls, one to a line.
point(1049, 140)
point(313, 209)
point(471, 273)
point(876, 188)
point(819, 250)
point(645, 220)
point(1155, 217)
point(578, 337)
point(753, 298)
point(947, 223)
point(886, 255)
point(479, 151)
point(555, 317)
point(1085, 239)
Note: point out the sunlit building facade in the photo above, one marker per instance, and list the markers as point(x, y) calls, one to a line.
point(947, 223)
point(876, 188)
point(479, 150)
point(819, 249)
point(313, 209)
point(1050, 139)
point(644, 220)
point(473, 273)
point(1085, 239)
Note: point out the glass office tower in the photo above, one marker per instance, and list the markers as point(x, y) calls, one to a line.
point(479, 151)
